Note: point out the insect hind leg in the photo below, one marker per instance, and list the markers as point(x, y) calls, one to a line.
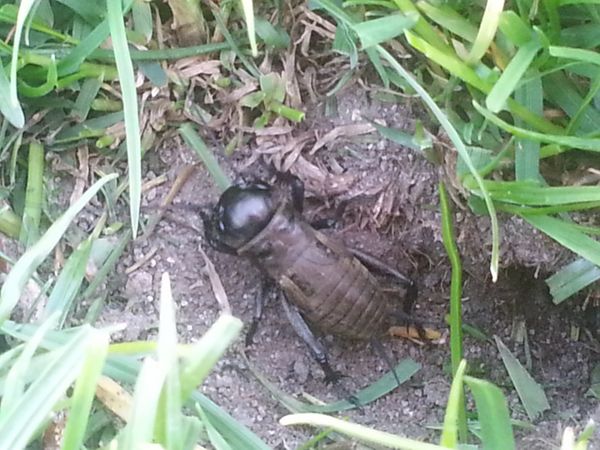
point(380, 350)
point(375, 264)
point(317, 349)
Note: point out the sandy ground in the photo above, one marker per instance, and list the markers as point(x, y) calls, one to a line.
point(392, 211)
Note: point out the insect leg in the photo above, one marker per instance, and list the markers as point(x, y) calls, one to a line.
point(380, 350)
point(260, 301)
point(317, 349)
point(412, 292)
point(376, 264)
point(297, 189)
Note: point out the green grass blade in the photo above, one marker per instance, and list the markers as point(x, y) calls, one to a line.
point(275, 37)
point(561, 91)
point(14, 384)
point(88, 45)
point(568, 236)
point(203, 355)
point(85, 390)
point(222, 27)
point(168, 416)
point(494, 417)
point(571, 279)
point(455, 418)
point(149, 384)
point(34, 195)
point(510, 78)
point(126, 370)
point(355, 431)
point(456, 339)
point(527, 193)
point(33, 257)
point(36, 404)
point(590, 144)
point(108, 265)
point(130, 108)
point(248, 10)
point(577, 54)
point(217, 441)
point(487, 30)
point(194, 140)
point(386, 384)
point(377, 31)
point(461, 70)
point(10, 224)
point(527, 152)
point(449, 19)
point(531, 393)
point(515, 28)
point(89, 90)
point(16, 113)
point(422, 28)
point(68, 283)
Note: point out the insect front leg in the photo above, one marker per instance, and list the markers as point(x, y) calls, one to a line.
point(266, 287)
point(296, 189)
point(317, 349)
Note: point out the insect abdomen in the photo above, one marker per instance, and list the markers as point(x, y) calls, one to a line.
point(337, 294)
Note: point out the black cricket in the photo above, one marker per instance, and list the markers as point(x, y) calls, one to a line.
point(325, 284)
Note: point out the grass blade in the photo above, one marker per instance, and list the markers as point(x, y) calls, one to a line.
point(202, 356)
point(527, 193)
point(208, 158)
point(84, 391)
point(34, 406)
point(34, 195)
point(571, 279)
point(130, 108)
point(33, 257)
point(377, 31)
point(386, 384)
point(14, 385)
point(16, 115)
point(510, 78)
point(68, 283)
point(458, 413)
point(567, 235)
point(126, 369)
point(487, 30)
point(531, 393)
point(248, 10)
point(149, 384)
point(590, 144)
point(455, 422)
point(356, 431)
point(493, 415)
point(456, 340)
point(462, 151)
point(527, 152)
point(168, 416)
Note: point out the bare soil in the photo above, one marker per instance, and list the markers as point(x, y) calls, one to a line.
point(392, 211)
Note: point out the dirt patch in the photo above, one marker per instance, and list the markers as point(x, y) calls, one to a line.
point(392, 211)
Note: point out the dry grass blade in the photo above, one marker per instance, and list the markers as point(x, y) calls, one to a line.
point(216, 284)
point(342, 131)
point(114, 397)
point(181, 179)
